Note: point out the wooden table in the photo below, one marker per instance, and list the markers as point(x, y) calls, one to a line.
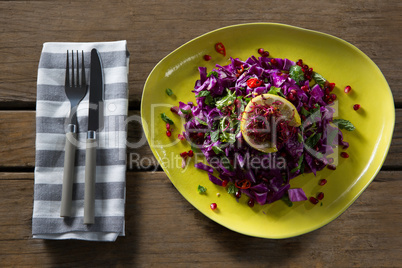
point(165, 230)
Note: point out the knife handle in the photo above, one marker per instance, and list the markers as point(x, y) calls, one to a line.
point(90, 174)
point(68, 174)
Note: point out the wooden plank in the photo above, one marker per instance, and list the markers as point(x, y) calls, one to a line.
point(163, 229)
point(152, 32)
point(18, 141)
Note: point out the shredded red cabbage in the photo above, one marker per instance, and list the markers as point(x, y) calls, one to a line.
point(213, 126)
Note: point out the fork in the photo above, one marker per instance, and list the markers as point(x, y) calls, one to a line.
point(75, 92)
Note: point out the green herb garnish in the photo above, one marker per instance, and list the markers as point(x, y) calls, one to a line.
point(232, 189)
point(203, 93)
point(227, 100)
point(214, 73)
point(201, 189)
point(344, 124)
point(274, 90)
point(296, 73)
point(201, 121)
point(169, 92)
point(319, 79)
point(166, 119)
point(215, 135)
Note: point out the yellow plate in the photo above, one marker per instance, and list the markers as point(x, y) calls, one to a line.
point(336, 60)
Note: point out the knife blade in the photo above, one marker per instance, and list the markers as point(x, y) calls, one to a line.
point(95, 119)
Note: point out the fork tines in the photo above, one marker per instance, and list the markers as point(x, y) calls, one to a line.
point(75, 77)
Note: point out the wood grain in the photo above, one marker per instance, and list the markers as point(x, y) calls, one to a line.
point(155, 28)
point(163, 229)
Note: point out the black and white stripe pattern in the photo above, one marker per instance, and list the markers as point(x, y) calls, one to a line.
point(52, 110)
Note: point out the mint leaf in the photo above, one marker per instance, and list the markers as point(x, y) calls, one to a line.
point(222, 123)
point(169, 92)
point(215, 135)
point(304, 112)
point(214, 73)
point(185, 111)
point(201, 121)
point(287, 201)
point(217, 150)
point(299, 164)
point(299, 137)
point(166, 119)
point(296, 73)
point(203, 93)
point(227, 100)
point(319, 79)
point(201, 189)
point(274, 90)
point(313, 139)
point(344, 124)
point(209, 100)
point(232, 189)
point(228, 137)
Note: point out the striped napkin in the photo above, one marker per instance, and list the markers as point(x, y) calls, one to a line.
point(52, 111)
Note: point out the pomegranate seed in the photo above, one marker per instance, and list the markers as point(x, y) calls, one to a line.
point(356, 107)
point(207, 57)
point(331, 167)
point(167, 126)
point(238, 194)
point(261, 51)
point(183, 154)
point(175, 109)
point(330, 160)
point(320, 195)
point(313, 200)
point(273, 61)
point(224, 183)
point(344, 155)
point(251, 202)
point(332, 86)
point(265, 54)
point(168, 133)
point(300, 62)
point(322, 182)
point(305, 88)
point(190, 153)
point(200, 135)
point(347, 89)
point(332, 96)
point(291, 97)
point(327, 91)
point(180, 137)
point(213, 206)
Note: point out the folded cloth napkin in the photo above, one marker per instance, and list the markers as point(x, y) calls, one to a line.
point(52, 113)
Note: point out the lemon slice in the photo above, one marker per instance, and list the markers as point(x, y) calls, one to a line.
point(287, 113)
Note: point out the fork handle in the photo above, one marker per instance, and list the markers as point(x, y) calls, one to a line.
point(68, 175)
point(90, 175)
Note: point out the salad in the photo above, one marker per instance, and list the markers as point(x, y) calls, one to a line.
point(260, 123)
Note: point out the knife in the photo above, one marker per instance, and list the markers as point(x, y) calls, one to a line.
point(95, 116)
